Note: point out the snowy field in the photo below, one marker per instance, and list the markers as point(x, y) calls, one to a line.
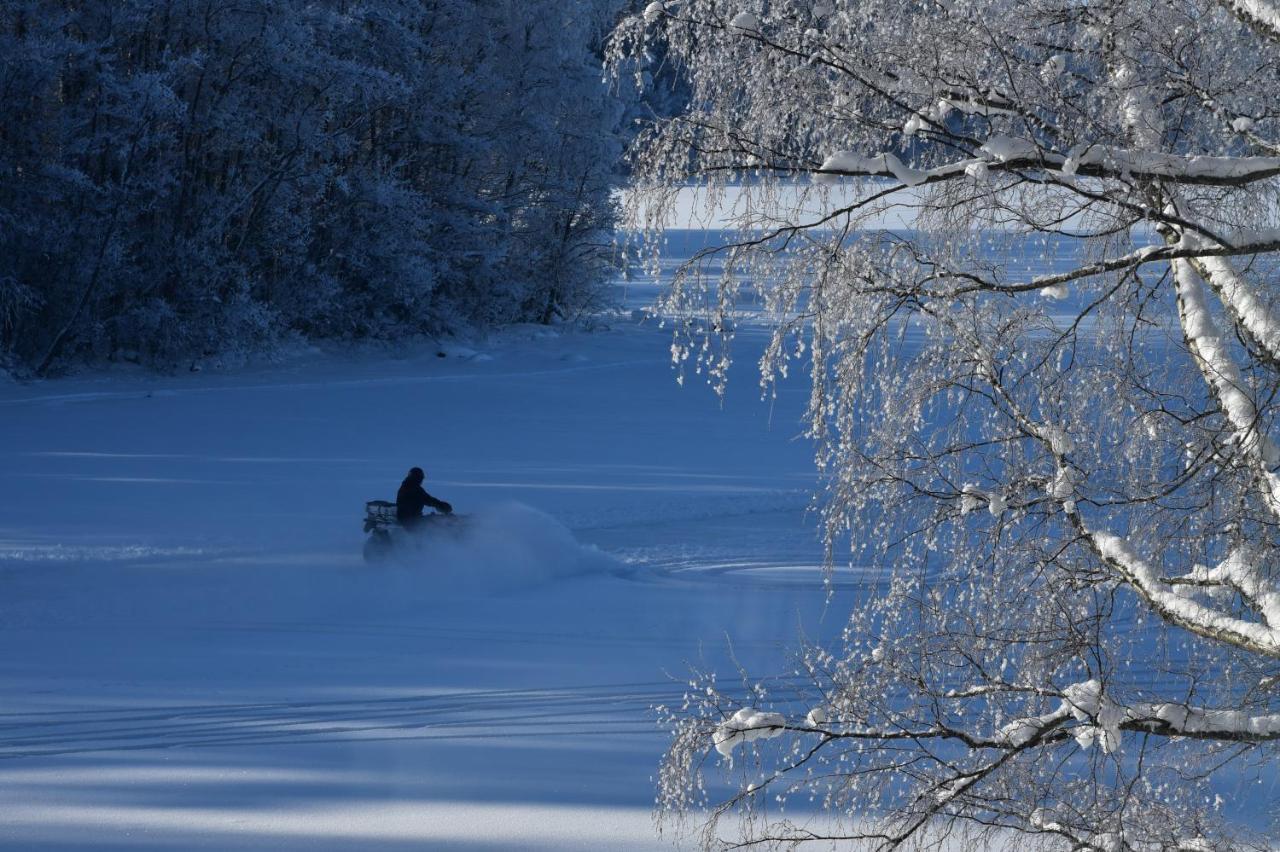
point(194, 656)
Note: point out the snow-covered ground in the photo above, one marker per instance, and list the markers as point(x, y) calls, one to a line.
point(194, 656)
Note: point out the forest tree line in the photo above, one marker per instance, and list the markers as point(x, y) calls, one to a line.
point(191, 177)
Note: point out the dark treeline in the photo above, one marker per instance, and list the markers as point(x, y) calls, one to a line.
point(187, 177)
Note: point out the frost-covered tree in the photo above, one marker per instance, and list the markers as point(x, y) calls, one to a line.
point(1061, 487)
point(192, 177)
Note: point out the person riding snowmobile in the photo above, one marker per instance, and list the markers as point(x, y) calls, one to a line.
point(411, 499)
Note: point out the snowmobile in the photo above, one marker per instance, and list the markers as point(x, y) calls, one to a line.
point(385, 531)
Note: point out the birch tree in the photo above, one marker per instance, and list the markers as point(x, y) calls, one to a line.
point(1061, 489)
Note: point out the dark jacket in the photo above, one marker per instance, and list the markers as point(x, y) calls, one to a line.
point(411, 499)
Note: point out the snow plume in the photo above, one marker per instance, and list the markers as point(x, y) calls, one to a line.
point(506, 546)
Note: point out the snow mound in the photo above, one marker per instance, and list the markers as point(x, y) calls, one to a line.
point(508, 546)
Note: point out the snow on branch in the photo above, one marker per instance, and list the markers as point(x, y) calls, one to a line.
point(1251, 311)
point(1101, 719)
point(1242, 573)
point(1259, 638)
point(1241, 298)
point(1160, 594)
point(1021, 732)
point(1085, 713)
point(745, 726)
point(1009, 154)
point(1105, 718)
point(1220, 371)
point(851, 164)
point(1107, 161)
point(1185, 721)
point(1247, 305)
point(1262, 15)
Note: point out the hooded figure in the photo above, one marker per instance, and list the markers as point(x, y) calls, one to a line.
point(411, 499)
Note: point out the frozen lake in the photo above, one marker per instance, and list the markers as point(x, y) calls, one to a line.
point(193, 654)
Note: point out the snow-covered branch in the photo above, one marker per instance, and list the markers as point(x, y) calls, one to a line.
point(1262, 15)
point(1106, 718)
point(1159, 593)
point(1246, 305)
point(1243, 572)
point(1163, 598)
point(1244, 301)
point(1222, 374)
point(1003, 153)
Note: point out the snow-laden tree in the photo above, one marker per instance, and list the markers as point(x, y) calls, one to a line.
point(192, 177)
point(1062, 487)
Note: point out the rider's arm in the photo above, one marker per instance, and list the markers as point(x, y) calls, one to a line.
point(438, 505)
